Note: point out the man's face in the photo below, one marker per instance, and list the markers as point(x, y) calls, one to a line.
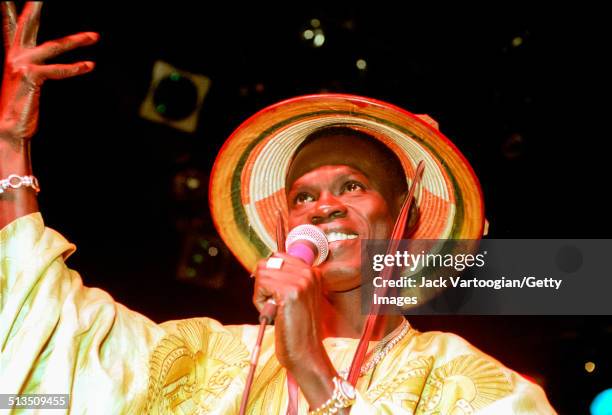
point(347, 206)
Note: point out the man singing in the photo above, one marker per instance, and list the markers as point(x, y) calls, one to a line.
point(341, 163)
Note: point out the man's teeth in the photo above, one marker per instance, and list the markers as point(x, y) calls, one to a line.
point(338, 236)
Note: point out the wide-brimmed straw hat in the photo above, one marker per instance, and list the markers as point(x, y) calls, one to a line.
point(247, 184)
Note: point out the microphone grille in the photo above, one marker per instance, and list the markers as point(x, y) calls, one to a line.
point(313, 235)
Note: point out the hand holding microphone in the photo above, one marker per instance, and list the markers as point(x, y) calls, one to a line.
point(305, 243)
point(289, 276)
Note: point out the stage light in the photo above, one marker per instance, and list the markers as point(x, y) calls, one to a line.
point(308, 34)
point(517, 41)
point(589, 367)
point(174, 97)
point(192, 182)
point(318, 40)
point(361, 64)
point(189, 186)
point(204, 260)
point(314, 34)
point(190, 194)
point(602, 404)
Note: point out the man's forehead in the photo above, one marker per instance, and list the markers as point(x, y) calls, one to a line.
point(364, 155)
point(367, 156)
point(328, 171)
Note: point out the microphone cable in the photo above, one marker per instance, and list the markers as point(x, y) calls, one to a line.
point(263, 322)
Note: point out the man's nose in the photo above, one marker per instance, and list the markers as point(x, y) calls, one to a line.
point(327, 208)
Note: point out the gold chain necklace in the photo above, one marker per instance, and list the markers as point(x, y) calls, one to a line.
point(383, 348)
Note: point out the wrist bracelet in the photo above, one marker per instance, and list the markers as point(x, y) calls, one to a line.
point(342, 397)
point(15, 181)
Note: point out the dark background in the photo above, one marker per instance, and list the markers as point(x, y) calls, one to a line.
point(516, 90)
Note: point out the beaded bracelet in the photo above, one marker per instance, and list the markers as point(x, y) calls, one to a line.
point(342, 397)
point(15, 181)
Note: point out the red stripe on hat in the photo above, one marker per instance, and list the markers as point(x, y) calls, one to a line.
point(433, 216)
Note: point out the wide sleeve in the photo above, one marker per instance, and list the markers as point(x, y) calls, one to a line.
point(58, 336)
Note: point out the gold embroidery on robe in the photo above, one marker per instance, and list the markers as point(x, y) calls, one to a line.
point(464, 385)
point(406, 385)
point(191, 369)
point(267, 390)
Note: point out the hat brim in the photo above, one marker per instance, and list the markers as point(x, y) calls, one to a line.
point(247, 182)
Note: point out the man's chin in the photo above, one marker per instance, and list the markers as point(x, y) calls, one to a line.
point(341, 277)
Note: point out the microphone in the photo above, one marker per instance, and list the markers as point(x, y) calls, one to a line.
point(308, 243)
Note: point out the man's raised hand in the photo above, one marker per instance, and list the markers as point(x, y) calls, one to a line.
point(25, 70)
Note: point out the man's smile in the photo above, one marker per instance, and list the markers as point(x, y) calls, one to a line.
point(334, 236)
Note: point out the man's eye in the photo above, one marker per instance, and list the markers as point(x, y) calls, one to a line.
point(303, 198)
point(353, 186)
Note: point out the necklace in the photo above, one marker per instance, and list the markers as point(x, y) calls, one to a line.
point(383, 348)
point(385, 345)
